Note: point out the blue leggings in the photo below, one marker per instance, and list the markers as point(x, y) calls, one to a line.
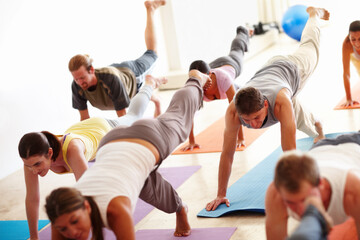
point(141, 66)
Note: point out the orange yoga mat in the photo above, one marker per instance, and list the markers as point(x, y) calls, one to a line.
point(344, 231)
point(211, 139)
point(355, 94)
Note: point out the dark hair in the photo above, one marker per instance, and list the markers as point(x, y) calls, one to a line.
point(249, 100)
point(354, 26)
point(38, 143)
point(293, 168)
point(66, 200)
point(201, 66)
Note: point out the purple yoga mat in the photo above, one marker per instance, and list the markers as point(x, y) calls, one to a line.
point(166, 234)
point(196, 234)
point(174, 175)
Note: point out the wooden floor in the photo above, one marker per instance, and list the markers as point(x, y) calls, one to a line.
point(321, 94)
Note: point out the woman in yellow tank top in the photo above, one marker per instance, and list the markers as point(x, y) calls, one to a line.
point(351, 53)
point(70, 153)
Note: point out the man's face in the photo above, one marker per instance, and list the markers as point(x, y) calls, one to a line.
point(256, 119)
point(296, 201)
point(355, 39)
point(83, 77)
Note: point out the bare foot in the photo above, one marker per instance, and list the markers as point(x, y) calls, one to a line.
point(204, 79)
point(153, 5)
point(154, 81)
point(183, 228)
point(319, 130)
point(322, 13)
point(156, 101)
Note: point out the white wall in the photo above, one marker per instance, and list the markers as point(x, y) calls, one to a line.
point(38, 37)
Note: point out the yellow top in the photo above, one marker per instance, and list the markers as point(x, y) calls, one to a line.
point(90, 132)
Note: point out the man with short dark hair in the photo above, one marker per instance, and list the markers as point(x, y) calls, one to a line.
point(270, 97)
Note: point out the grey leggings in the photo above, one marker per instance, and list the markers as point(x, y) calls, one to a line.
point(235, 58)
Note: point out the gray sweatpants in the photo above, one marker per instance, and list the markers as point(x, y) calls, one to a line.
point(306, 58)
point(236, 56)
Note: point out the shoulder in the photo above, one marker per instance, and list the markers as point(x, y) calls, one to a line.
point(346, 46)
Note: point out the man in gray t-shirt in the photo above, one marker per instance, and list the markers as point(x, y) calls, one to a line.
point(111, 88)
point(270, 97)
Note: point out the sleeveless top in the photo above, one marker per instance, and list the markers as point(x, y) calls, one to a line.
point(90, 132)
point(270, 80)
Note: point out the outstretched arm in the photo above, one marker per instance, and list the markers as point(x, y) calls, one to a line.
point(232, 124)
point(84, 114)
point(230, 93)
point(352, 199)
point(32, 202)
point(284, 112)
point(276, 215)
point(76, 157)
point(120, 218)
point(346, 51)
point(192, 144)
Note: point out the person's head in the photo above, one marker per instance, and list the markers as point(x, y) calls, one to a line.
point(82, 70)
point(251, 106)
point(38, 150)
point(354, 34)
point(296, 177)
point(73, 214)
point(201, 66)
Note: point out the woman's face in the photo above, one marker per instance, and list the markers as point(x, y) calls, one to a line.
point(39, 164)
point(76, 224)
point(355, 39)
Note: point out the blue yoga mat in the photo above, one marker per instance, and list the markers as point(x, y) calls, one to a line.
point(248, 193)
point(17, 229)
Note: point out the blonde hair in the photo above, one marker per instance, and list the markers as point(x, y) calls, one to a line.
point(80, 60)
point(294, 167)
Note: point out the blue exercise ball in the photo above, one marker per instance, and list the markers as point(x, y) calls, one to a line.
point(294, 21)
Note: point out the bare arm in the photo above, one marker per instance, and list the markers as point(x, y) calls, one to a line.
point(230, 93)
point(346, 51)
point(32, 202)
point(352, 199)
point(192, 144)
point(284, 112)
point(121, 112)
point(120, 218)
point(232, 124)
point(276, 215)
point(76, 157)
point(84, 114)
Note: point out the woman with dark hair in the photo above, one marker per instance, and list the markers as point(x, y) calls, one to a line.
point(70, 152)
point(222, 72)
point(125, 158)
point(351, 53)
